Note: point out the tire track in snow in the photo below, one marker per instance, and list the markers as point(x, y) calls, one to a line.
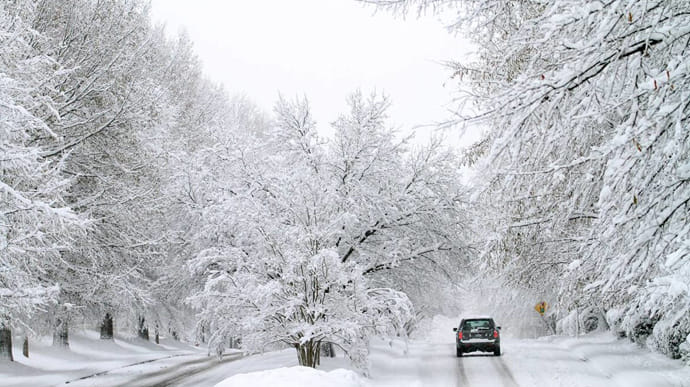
point(140, 376)
point(461, 379)
point(508, 380)
point(180, 372)
point(127, 366)
point(474, 370)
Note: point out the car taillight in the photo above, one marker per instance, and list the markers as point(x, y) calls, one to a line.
point(459, 335)
point(495, 334)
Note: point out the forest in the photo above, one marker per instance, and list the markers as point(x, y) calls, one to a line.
point(137, 193)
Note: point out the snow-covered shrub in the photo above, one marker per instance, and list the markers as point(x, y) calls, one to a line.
point(639, 328)
point(668, 336)
point(661, 322)
point(592, 319)
point(614, 319)
point(581, 321)
point(660, 318)
point(568, 325)
point(685, 350)
point(577, 322)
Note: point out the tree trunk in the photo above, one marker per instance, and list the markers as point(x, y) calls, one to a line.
point(107, 327)
point(143, 329)
point(328, 349)
point(5, 343)
point(157, 336)
point(318, 354)
point(308, 353)
point(25, 347)
point(61, 333)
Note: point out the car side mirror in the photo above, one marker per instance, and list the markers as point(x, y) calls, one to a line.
point(499, 328)
point(455, 329)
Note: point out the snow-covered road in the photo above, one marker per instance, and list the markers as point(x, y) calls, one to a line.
point(428, 360)
point(592, 361)
point(474, 371)
point(158, 373)
point(598, 360)
point(435, 364)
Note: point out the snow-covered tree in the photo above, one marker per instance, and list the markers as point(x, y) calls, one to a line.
point(112, 65)
point(107, 127)
point(307, 226)
point(199, 178)
point(586, 165)
point(89, 90)
point(36, 222)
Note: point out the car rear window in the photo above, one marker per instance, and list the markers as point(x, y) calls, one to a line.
point(477, 324)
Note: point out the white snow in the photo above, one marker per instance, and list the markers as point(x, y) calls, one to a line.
point(87, 355)
point(574, 265)
point(296, 377)
point(427, 360)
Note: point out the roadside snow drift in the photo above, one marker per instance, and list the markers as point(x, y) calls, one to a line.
point(295, 377)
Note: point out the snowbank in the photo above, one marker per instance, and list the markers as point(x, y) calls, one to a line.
point(295, 377)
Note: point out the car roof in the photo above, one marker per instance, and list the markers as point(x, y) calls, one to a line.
point(477, 318)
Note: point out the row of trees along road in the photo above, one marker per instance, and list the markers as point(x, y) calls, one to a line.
point(95, 109)
point(133, 188)
point(136, 194)
point(585, 173)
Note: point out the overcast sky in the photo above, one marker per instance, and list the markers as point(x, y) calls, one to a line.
point(323, 49)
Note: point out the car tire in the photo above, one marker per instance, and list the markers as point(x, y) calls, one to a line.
point(458, 352)
point(497, 350)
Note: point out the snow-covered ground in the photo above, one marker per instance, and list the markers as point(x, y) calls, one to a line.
point(88, 355)
point(425, 361)
point(296, 377)
point(429, 360)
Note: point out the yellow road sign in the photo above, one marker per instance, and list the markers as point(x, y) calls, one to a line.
point(541, 307)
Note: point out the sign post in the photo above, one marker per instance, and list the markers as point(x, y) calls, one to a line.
point(541, 309)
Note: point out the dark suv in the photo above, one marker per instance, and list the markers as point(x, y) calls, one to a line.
point(477, 334)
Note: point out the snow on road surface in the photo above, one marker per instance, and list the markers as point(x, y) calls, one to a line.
point(428, 360)
point(165, 372)
point(598, 360)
